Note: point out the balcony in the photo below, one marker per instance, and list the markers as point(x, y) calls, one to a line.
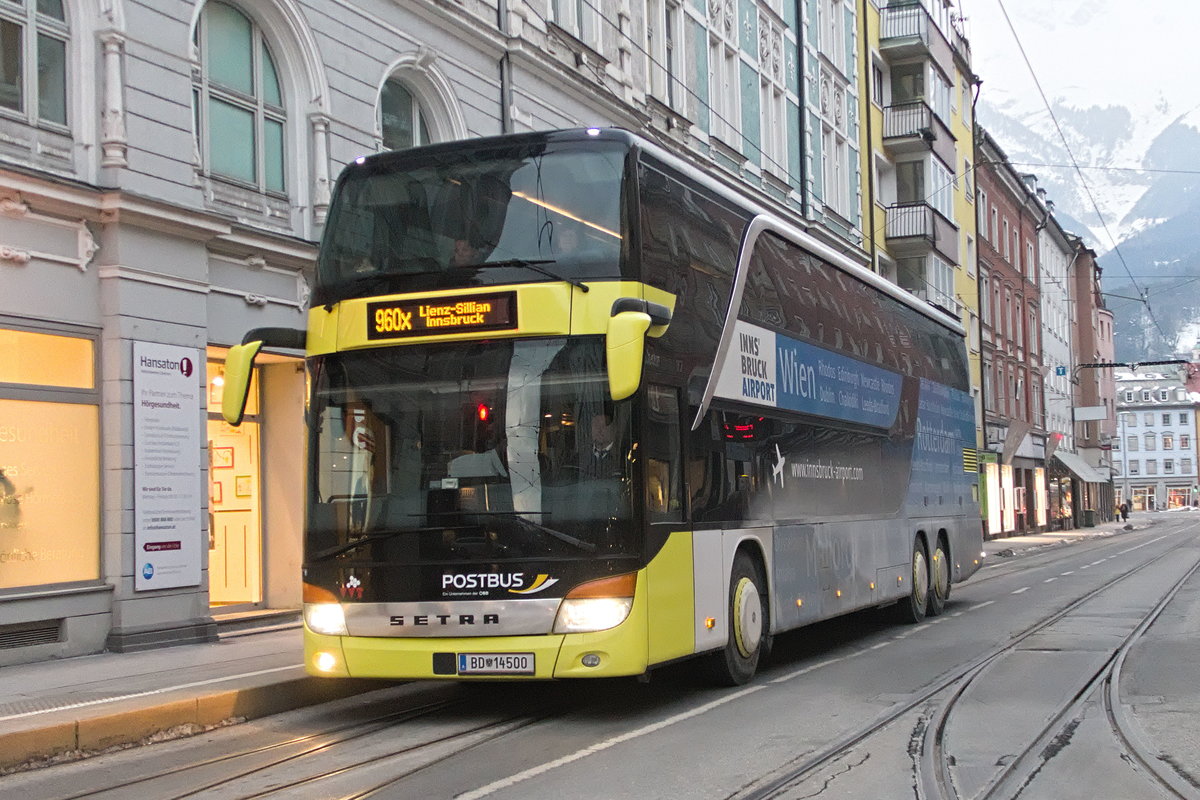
point(918, 228)
point(912, 127)
point(908, 31)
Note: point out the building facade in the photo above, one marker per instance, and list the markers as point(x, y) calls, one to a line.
point(1015, 496)
point(1155, 455)
point(165, 174)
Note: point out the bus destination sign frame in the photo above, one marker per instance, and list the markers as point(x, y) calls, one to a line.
point(433, 316)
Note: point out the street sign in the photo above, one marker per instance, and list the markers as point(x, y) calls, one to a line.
point(1060, 370)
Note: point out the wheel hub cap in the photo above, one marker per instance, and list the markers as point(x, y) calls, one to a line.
point(747, 617)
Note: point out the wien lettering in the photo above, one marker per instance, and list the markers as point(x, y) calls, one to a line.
point(795, 376)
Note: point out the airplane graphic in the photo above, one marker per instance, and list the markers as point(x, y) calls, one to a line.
point(777, 468)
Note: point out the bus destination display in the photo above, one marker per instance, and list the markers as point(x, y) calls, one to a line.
point(429, 316)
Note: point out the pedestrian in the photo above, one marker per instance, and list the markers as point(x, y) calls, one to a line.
point(1124, 512)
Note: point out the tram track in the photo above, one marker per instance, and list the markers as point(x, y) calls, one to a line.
point(934, 777)
point(936, 774)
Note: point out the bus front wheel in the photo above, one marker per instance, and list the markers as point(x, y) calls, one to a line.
point(737, 662)
point(911, 609)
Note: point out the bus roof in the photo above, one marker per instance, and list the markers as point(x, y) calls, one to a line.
point(785, 222)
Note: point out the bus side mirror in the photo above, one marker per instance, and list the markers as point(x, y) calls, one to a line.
point(239, 366)
point(625, 344)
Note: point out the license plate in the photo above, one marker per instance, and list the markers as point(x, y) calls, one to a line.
point(495, 663)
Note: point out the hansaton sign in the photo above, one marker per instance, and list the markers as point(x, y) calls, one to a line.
point(429, 316)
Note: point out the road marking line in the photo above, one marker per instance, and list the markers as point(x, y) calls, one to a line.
point(981, 605)
point(957, 614)
point(1094, 563)
point(1085, 566)
point(1143, 544)
point(1069, 572)
point(541, 769)
point(808, 669)
point(1050, 580)
point(877, 646)
point(163, 690)
point(1022, 589)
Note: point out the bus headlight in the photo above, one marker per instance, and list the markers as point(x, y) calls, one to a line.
point(592, 614)
point(596, 605)
point(326, 618)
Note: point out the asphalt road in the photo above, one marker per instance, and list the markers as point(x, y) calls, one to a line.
point(1063, 673)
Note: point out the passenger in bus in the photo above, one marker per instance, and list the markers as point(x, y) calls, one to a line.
point(464, 254)
point(603, 461)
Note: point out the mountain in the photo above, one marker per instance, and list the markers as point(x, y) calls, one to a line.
point(1142, 172)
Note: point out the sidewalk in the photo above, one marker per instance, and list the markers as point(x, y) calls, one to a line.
point(73, 707)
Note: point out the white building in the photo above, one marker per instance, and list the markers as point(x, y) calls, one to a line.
point(1155, 452)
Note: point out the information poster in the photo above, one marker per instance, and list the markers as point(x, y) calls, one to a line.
point(166, 459)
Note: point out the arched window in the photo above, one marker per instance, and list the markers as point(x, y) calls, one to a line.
point(238, 103)
point(33, 59)
point(402, 118)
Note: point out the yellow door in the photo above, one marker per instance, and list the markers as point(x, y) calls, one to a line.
point(235, 531)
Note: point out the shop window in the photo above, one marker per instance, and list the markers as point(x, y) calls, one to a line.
point(49, 459)
point(33, 59)
point(238, 103)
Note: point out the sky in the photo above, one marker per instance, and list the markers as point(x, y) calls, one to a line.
point(1134, 53)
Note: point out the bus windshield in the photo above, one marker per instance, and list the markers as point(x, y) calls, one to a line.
point(442, 211)
point(466, 451)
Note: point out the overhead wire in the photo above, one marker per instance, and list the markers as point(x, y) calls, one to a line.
point(1075, 164)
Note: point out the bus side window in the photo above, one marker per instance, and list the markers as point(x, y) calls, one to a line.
point(663, 455)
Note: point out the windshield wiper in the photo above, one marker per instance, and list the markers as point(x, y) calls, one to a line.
point(368, 539)
point(587, 547)
point(530, 264)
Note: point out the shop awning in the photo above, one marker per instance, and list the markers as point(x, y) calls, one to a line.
point(1083, 470)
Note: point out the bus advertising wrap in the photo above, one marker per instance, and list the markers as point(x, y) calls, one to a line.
point(770, 369)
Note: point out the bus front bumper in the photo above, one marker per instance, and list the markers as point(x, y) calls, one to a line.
point(605, 654)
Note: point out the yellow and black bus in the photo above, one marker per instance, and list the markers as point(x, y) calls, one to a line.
point(578, 409)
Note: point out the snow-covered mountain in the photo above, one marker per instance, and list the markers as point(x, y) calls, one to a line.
point(1114, 77)
point(1141, 172)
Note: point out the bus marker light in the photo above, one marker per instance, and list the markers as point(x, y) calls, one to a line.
point(899, 579)
point(799, 602)
point(839, 592)
point(710, 623)
point(590, 660)
point(872, 586)
point(324, 661)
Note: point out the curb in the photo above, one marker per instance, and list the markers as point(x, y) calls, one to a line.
point(95, 733)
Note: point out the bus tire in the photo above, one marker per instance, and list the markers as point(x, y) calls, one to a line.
point(748, 617)
point(911, 609)
point(939, 578)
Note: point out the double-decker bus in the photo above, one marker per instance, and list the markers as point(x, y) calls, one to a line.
point(578, 409)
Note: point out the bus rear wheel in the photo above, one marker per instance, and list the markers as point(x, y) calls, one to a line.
point(736, 663)
point(939, 579)
point(912, 608)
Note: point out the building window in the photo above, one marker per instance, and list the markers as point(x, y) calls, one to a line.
point(1162, 395)
point(1129, 397)
point(1004, 242)
point(1168, 466)
point(578, 18)
point(1185, 441)
point(1150, 441)
point(1151, 467)
point(877, 84)
point(1149, 418)
point(238, 102)
point(402, 118)
point(1146, 395)
point(1116, 443)
point(968, 180)
point(1185, 466)
point(33, 59)
point(50, 461)
point(1183, 418)
point(723, 85)
point(1166, 419)
point(833, 33)
point(662, 34)
point(1168, 442)
point(1131, 443)
point(1131, 420)
point(1133, 468)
